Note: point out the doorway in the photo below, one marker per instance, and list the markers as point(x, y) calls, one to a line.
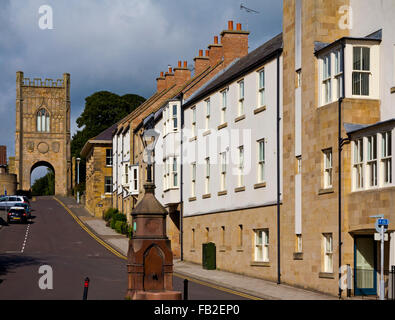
point(365, 269)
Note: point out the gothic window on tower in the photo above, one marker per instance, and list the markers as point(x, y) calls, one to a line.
point(42, 121)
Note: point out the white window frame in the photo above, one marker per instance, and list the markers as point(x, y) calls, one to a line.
point(43, 120)
point(261, 245)
point(338, 73)
point(361, 71)
point(261, 160)
point(109, 158)
point(328, 168)
point(240, 179)
point(224, 104)
point(193, 121)
point(386, 158)
point(261, 88)
point(174, 117)
point(371, 160)
point(241, 88)
point(223, 171)
point(125, 175)
point(299, 243)
point(108, 185)
point(208, 110)
point(326, 79)
point(327, 239)
point(358, 164)
point(174, 172)
point(207, 176)
point(193, 179)
point(134, 179)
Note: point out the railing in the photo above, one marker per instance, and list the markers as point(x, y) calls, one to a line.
point(368, 282)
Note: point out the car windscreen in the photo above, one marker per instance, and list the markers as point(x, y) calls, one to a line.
point(16, 211)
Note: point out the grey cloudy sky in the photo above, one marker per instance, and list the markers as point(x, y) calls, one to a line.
point(115, 45)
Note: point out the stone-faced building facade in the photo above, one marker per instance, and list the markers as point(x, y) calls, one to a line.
point(98, 154)
point(42, 136)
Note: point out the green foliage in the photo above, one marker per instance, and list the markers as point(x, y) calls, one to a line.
point(44, 186)
point(119, 226)
point(109, 213)
point(102, 110)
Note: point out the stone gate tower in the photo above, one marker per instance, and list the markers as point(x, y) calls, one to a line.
point(42, 136)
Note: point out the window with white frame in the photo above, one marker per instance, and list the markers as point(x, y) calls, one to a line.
point(241, 98)
point(134, 183)
point(361, 71)
point(261, 88)
point(338, 73)
point(358, 164)
point(326, 79)
point(207, 180)
point(241, 167)
point(207, 114)
point(327, 168)
point(299, 244)
point(261, 253)
point(107, 185)
point(174, 173)
point(108, 157)
point(193, 179)
point(193, 123)
point(224, 105)
point(261, 160)
point(175, 117)
point(298, 164)
point(223, 171)
point(125, 176)
point(372, 160)
point(386, 157)
point(166, 174)
point(298, 78)
point(327, 239)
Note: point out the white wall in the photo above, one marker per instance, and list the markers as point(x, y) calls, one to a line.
point(245, 132)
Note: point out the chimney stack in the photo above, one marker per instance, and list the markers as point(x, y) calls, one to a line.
point(201, 63)
point(169, 78)
point(182, 74)
point(234, 42)
point(215, 52)
point(161, 82)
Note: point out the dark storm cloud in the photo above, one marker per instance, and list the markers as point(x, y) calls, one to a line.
point(115, 45)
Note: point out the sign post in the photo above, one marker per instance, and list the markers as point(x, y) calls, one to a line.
point(381, 226)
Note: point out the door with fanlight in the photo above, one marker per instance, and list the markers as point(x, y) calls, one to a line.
point(365, 272)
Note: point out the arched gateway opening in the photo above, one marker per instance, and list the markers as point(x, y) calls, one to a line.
point(42, 179)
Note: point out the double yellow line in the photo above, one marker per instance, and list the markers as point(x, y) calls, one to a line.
point(120, 255)
point(83, 226)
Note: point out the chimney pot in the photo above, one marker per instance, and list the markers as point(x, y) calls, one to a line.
point(185, 65)
point(207, 53)
point(179, 64)
point(238, 27)
point(170, 70)
point(200, 53)
point(161, 74)
point(216, 40)
point(230, 25)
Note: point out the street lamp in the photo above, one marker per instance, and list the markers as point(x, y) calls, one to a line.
point(78, 179)
point(148, 157)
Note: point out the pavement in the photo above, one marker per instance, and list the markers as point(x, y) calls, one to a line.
point(251, 287)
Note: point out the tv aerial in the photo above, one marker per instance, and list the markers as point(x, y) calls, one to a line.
point(247, 9)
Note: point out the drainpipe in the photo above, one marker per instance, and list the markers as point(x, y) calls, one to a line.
point(278, 172)
point(181, 182)
point(341, 142)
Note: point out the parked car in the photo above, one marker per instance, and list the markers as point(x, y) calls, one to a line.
point(28, 210)
point(17, 214)
point(6, 202)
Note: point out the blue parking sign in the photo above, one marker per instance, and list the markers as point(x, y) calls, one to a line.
point(383, 222)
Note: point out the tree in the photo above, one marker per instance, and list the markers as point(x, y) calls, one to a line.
point(102, 110)
point(44, 186)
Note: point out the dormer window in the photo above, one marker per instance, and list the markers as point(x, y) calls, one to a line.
point(43, 120)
